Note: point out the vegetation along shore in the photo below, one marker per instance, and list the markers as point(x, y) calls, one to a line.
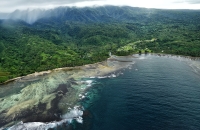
point(57, 41)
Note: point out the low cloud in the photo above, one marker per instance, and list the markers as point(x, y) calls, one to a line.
point(9, 6)
point(193, 1)
point(187, 1)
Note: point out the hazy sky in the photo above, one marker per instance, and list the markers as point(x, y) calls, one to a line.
point(11, 5)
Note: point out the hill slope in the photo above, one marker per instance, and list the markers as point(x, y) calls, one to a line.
point(39, 40)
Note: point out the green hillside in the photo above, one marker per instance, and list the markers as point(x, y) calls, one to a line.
point(49, 44)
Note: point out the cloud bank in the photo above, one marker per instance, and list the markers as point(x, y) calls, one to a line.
point(9, 6)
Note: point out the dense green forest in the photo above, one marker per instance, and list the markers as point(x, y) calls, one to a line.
point(48, 44)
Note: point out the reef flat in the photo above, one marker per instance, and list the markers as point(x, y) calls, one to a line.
point(47, 96)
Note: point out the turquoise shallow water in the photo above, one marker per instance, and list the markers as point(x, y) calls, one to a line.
point(158, 93)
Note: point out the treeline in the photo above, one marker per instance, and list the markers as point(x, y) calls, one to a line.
point(25, 49)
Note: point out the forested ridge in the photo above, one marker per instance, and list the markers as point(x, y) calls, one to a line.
point(79, 36)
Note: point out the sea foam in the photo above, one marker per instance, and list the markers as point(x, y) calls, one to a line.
point(74, 114)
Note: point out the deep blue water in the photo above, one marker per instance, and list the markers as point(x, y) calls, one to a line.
point(156, 93)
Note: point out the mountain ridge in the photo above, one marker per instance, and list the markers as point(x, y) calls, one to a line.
point(95, 14)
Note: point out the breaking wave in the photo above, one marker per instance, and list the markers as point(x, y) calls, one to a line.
point(108, 76)
point(74, 114)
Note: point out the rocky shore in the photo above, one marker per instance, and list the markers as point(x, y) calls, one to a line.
point(45, 96)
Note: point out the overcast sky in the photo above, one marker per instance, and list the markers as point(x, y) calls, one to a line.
point(11, 5)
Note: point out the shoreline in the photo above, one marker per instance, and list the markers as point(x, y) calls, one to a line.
point(54, 90)
point(98, 66)
point(42, 73)
point(165, 54)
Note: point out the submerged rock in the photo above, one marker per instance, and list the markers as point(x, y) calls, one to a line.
point(63, 88)
point(48, 97)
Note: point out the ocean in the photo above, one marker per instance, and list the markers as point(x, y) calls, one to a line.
point(154, 93)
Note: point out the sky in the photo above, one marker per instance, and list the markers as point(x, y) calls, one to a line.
point(11, 5)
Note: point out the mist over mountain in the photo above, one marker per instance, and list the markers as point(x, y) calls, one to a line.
point(99, 14)
point(86, 14)
point(29, 16)
point(4, 15)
